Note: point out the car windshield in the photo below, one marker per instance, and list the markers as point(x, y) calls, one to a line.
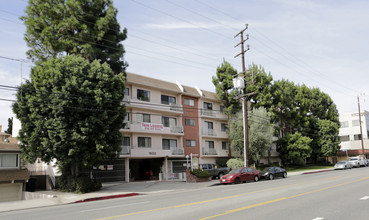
point(341, 162)
point(236, 171)
point(266, 169)
point(353, 158)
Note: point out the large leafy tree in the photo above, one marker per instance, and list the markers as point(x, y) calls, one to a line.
point(70, 111)
point(294, 146)
point(85, 27)
point(223, 82)
point(328, 138)
point(260, 134)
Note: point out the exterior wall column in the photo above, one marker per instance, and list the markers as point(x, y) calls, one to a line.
point(166, 168)
point(127, 170)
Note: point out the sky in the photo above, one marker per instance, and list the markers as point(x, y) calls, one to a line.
point(322, 44)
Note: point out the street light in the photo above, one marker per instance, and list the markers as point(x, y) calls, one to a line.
point(239, 84)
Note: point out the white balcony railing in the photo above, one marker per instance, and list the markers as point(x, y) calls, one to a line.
point(209, 132)
point(177, 151)
point(125, 150)
point(209, 151)
point(176, 107)
point(176, 129)
point(207, 112)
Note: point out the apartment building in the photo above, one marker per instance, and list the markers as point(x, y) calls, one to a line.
point(350, 134)
point(168, 125)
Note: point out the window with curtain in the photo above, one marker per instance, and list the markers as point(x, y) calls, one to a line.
point(9, 160)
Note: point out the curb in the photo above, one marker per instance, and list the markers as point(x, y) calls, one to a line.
point(318, 171)
point(107, 197)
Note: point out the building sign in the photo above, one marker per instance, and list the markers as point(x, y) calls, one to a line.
point(152, 126)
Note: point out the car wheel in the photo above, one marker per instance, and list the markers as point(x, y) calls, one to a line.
point(220, 175)
point(284, 175)
point(237, 180)
point(271, 177)
point(256, 178)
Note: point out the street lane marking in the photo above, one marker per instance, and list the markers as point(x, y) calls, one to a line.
point(281, 199)
point(110, 207)
point(211, 200)
point(318, 218)
point(364, 198)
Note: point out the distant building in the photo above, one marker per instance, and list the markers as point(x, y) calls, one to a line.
point(350, 135)
point(13, 174)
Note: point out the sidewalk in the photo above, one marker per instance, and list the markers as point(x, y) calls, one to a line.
point(116, 190)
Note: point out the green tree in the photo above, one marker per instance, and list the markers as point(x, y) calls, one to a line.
point(234, 163)
point(62, 27)
point(223, 82)
point(261, 85)
point(70, 111)
point(260, 134)
point(294, 146)
point(10, 126)
point(328, 138)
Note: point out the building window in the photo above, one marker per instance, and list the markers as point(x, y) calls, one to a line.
point(9, 161)
point(209, 144)
point(224, 145)
point(143, 118)
point(144, 142)
point(189, 102)
point(344, 124)
point(357, 137)
point(167, 100)
point(143, 95)
point(190, 143)
point(223, 127)
point(190, 122)
point(126, 118)
point(221, 108)
point(355, 123)
point(208, 125)
point(126, 92)
point(169, 122)
point(344, 138)
point(126, 141)
point(169, 143)
point(208, 106)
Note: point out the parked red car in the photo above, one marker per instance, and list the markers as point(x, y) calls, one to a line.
point(242, 174)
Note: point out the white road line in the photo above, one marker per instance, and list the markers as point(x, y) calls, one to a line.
point(364, 198)
point(318, 218)
point(110, 207)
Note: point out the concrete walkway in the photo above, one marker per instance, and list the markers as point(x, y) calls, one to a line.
point(115, 190)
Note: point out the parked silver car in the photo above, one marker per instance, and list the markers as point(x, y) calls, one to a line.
point(354, 161)
point(343, 165)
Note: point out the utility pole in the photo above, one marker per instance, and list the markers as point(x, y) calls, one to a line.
point(361, 130)
point(244, 96)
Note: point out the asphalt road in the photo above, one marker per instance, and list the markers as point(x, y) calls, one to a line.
point(334, 195)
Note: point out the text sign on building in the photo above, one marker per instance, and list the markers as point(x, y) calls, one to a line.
point(152, 126)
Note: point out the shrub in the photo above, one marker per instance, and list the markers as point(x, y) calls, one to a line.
point(234, 163)
point(221, 162)
point(200, 173)
point(81, 184)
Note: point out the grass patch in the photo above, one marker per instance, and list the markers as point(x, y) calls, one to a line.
point(305, 168)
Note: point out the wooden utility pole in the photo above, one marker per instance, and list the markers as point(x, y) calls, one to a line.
point(244, 96)
point(361, 130)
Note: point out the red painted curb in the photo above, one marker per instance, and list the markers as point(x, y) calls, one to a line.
point(107, 197)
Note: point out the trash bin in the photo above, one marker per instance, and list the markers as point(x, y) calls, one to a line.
point(31, 185)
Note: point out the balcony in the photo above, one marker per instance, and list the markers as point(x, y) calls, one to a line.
point(207, 112)
point(209, 132)
point(177, 151)
point(156, 152)
point(176, 107)
point(176, 129)
point(209, 151)
point(125, 150)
